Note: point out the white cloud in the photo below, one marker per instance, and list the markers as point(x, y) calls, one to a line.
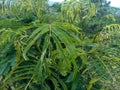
point(115, 3)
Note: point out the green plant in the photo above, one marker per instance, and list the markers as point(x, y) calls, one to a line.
point(44, 49)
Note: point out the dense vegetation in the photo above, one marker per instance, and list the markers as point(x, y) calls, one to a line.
point(70, 46)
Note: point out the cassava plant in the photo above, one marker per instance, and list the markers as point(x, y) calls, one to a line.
point(46, 48)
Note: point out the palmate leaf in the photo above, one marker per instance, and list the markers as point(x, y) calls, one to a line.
point(75, 11)
point(21, 9)
point(51, 48)
point(10, 48)
point(63, 35)
point(105, 67)
point(47, 55)
point(103, 63)
point(40, 31)
point(7, 58)
point(109, 33)
point(22, 73)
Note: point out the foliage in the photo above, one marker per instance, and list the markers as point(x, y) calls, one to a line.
point(50, 47)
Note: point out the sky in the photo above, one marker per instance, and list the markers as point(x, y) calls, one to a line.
point(56, 0)
point(114, 3)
